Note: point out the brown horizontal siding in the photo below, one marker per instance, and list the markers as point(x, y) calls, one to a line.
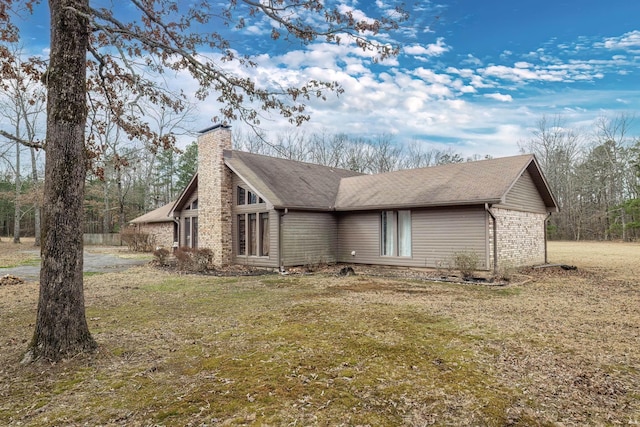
point(308, 238)
point(524, 196)
point(437, 234)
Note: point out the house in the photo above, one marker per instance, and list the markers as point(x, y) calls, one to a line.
point(159, 225)
point(263, 211)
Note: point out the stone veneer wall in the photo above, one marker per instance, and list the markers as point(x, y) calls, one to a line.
point(521, 239)
point(215, 195)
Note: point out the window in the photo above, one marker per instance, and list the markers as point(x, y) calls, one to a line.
point(242, 236)
point(194, 232)
point(404, 233)
point(264, 234)
point(246, 197)
point(194, 205)
point(241, 199)
point(253, 199)
point(253, 234)
point(388, 233)
point(395, 233)
point(191, 232)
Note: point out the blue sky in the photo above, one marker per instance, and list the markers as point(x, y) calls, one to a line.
point(473, 75)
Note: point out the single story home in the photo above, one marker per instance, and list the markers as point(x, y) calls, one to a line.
point(257, 210)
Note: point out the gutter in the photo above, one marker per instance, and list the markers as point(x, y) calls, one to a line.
point(495, 238)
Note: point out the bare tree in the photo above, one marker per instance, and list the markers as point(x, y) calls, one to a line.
point(557, 148)
point(22, 105)
point(164, 36)
point(613, 151)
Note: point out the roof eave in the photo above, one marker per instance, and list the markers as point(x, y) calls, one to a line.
point(188, 190)
point(417, 205)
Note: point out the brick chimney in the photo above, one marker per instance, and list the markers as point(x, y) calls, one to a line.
point(215, 194)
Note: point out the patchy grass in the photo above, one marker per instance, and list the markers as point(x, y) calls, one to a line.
point(560, 348)
point(17, 254)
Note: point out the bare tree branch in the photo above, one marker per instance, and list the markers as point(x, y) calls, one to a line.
point(38, 145)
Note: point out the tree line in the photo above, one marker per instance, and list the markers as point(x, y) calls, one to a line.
point(594, 175)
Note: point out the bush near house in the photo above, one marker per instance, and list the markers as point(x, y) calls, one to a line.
point(466, 262)
point(138, 241)
point(194, 259)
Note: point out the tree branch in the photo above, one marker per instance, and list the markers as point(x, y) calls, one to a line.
point(38, 145)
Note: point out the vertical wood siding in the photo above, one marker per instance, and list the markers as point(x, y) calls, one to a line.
point(309, 238)
point(436, 235)
point(524, 196)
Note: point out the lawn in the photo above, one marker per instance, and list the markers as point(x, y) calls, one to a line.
point(554, 347)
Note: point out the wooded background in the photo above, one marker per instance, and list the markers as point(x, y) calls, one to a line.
point(594, 173)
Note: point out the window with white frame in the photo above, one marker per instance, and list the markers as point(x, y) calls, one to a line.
point(395, 233)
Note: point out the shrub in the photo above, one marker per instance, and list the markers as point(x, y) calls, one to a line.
point(202, 259)
point(138, 241)
point(161, 256)
point(193, 259)
point(506, 270)
point(183, 257)
point(466, 262)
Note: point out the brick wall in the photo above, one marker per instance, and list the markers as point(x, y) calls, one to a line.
point(160, 232)
point(214, 194)
point(521, 239)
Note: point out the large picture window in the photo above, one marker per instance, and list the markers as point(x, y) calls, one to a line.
point(187, 232)
point(264, 234)
point(242, 235)
point(395, 233)
point(253, 234)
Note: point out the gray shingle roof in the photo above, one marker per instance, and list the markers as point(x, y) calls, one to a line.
point(298, 185)
point(287, 183)
point(484, 181)
point(159, 215)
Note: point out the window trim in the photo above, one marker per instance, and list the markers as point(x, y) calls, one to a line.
point(253, 239)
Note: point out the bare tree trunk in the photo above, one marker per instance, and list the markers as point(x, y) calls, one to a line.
point(36, 206)
point(106, 221)
point(17, 207)
point(61, 326)
point(121, 200)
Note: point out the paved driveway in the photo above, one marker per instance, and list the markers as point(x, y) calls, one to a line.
point(98, 262)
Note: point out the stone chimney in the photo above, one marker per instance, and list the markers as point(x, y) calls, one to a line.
point(215, 194)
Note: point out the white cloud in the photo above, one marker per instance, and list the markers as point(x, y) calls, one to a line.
point(521, 75)
point(472, 60)
point(437, 104)
point(499, 97)
point(432, 49)
point(628, 41)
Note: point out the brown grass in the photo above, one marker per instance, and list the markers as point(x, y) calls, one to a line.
point(557, 348)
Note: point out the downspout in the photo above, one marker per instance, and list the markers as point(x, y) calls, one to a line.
point(546, 259)
point(176, 244)
point(495, 238)
point(282, 213)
